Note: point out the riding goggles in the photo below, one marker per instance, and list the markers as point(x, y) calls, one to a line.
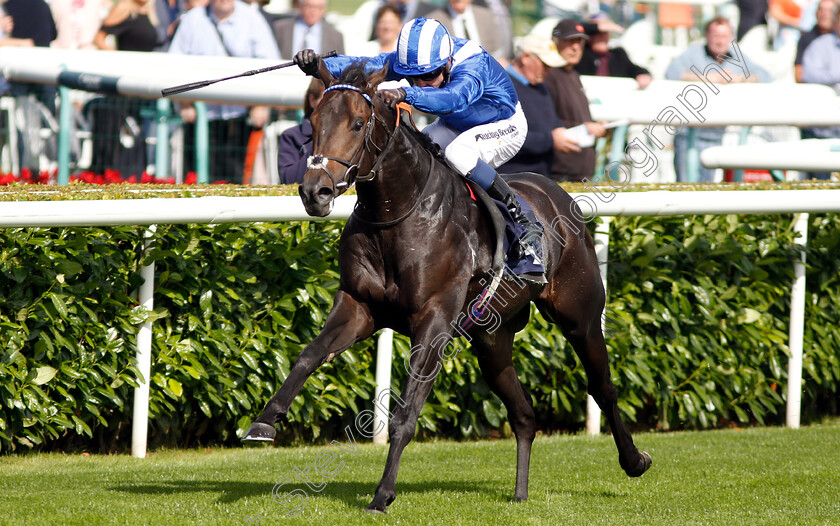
point(426, 77)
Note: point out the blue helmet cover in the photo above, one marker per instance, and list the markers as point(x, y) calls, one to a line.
point(424, 45)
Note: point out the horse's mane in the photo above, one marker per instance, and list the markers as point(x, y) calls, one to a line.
point(355, 75)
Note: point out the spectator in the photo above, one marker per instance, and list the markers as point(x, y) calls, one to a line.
point(259, 5)
point(386, 30)
point(167, 12)
point(787, 13)
point(534, 55)
point(32, 20)
point(410, 9)
point(77, 22)
point(132, 23)
point(173, 23)
point(821, 65)
point(295, 144)
point(504, 24)
point(224, 28)
point(6, 26)
point(571, 104)
point(601, 60)
point(710, 54)
point(118, 140)
point(464, 20)
point(170, 11)
point(308, 30)
point(825, 24)
point(752, 13)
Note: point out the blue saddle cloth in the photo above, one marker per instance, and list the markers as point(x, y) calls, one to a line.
point(532, 262)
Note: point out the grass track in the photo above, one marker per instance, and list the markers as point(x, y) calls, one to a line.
point(753, 476)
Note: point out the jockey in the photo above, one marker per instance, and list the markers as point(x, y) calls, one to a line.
point(480, 123)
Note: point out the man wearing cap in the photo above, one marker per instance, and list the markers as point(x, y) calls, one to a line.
point(535, 54)
point(571, 103)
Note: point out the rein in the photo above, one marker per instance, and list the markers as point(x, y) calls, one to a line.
point(403, 217)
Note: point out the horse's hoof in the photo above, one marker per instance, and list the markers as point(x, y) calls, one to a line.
point(259, 432)
point(646, 463)
point(375, 511)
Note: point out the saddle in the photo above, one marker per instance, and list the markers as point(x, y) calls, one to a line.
point(509, 232)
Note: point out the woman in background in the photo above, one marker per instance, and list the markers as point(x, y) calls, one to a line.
point(294, 146)
point(386, 30)
point(118, 139)
point(132, 22)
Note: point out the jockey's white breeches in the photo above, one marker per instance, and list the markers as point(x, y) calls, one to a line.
point(494, 143)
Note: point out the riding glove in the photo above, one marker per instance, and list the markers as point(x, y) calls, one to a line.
point(392, 97)
point(307, 61)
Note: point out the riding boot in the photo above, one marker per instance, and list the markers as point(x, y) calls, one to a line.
point(499, 189)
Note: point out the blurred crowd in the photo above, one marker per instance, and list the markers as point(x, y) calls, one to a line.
point(584, 36)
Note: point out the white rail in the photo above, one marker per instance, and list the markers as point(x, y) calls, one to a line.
point(809, 155)
point(247, 209)
point(145, 74)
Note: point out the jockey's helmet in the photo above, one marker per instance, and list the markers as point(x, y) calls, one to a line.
point(424, 46)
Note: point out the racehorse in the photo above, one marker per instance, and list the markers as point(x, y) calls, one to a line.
point(415, 254)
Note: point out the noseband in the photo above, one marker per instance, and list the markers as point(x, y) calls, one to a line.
point(319, 162)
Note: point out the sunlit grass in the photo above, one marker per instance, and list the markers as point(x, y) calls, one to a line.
point(754, 476)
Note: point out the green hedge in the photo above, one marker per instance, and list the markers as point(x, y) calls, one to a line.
point(697, 332)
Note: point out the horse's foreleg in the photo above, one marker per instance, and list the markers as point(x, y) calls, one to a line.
point(348, 322)
point(494, 353)
point(422, 368)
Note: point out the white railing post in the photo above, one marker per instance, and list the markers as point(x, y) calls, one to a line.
point(140, 418)
point(602, 250)
point(797, 327)
point(382, 400)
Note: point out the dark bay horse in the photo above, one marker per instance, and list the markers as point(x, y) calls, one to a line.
point(415, 254)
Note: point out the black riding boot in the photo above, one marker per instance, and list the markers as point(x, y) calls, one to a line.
point(500, 190)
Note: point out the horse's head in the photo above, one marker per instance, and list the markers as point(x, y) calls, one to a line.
point(344, 135)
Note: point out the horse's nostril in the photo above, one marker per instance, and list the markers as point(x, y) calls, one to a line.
point(324, 192)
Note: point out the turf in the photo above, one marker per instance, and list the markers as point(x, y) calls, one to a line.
point(752, 476)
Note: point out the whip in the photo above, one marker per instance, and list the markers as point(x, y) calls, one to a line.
point(203, 83)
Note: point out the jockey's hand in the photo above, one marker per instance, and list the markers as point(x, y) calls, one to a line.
point(392, 97)
point(307, 60)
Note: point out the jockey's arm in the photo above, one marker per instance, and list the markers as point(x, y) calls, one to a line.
point(339, 63)
point(464, 88)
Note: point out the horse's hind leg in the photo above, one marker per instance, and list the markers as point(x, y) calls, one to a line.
point(495, 358)
point(577, 310)
point(592, 351)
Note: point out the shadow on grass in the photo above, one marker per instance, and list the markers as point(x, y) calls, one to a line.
point(352, 493)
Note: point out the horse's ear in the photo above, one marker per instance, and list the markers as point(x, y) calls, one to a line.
point(377, 78)
point(324, 73)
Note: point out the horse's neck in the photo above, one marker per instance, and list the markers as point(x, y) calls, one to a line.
point(401, 180)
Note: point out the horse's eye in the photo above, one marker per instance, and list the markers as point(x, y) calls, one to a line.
point(357, 124)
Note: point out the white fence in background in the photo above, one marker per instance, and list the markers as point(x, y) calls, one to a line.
point(213, 210)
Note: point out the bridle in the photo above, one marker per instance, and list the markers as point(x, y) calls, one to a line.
point(317, 162)
point(351, 175)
